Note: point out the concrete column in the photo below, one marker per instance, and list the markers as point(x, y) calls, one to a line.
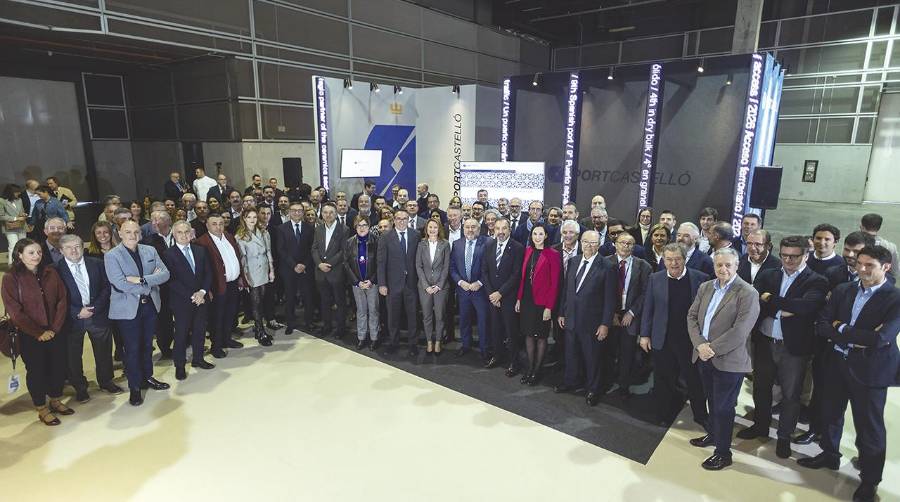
point(746, 26)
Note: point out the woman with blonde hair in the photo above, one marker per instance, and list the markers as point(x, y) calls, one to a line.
point(257, 267)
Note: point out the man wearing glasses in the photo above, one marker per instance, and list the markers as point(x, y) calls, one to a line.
point(295, 239)
point(790, 299)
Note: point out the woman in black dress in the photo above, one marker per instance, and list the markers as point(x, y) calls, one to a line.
point(537, 295)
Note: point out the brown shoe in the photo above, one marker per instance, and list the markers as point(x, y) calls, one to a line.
point(46, 416)
point(57, 406)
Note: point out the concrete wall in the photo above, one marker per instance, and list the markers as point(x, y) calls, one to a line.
point(232, 158)
point(114, 162)
point(265, 159)
point(841, 176)
point(153, 161)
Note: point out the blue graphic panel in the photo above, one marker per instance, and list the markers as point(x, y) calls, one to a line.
point(398, 158)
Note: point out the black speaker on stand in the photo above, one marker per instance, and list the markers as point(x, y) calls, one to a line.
point(766, 187)
point(293, 171)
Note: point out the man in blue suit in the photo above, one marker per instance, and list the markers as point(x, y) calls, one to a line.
point(688, 235)
point(535, 215)
point(135, 272)
point(670, 293)
point(88, 289)
point(466, 272)
point(861, 321)
point(190, 291)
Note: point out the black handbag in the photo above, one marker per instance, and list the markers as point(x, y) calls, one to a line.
point(10, 336)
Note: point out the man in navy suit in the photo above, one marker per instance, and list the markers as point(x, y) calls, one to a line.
point(295, 240)
point(88, 289)
point(759, 256)
point(614, 228)
point(523, 231)
point(854, 242)
point(190, 290)
point(688, 235)
point(466, 272)
point(501, 273)
point(749, 223)
point(221, 191)
point(861, 321)
point(398, 279)
point(670, 293)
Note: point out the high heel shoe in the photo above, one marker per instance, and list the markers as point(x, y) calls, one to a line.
point(437, 348)
point(46, 416)
point(430, 347)
point(534, 379)
point(262, 336)
point(60, 408)
point(525, 378)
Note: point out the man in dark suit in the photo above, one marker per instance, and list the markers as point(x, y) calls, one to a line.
point(422, 194)
point(198, 224)
point(190, 285)
point(221, 191)
point(749, 223)
point(85, 281)
point(368, 189)
point(255, 184)
point(501, 272)
point(861, 322)
point(615, 227)
point(586, 313)
point(822, 257)
point(328, 257)
point(433, 203)
point(295, 239)
point(466, 272)
point(670, 293)
point(846, 272)
point(398, 279)
point(161, 241)
point(688, 235)
point(414, 221)
point(790, 300)
point(523, 231)
point(516, 216)
point(225, 261)
point(174, 188)
point(759, 256)
point(633, 275)
point(345, 214)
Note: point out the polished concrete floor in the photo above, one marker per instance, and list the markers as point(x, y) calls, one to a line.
point(310, 420)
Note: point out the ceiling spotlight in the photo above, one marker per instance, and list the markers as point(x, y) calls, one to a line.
point(536, 78)
point(398, 89)
point(729, 80)
point(700, 66)
point(374, 87)
point(348, 84)
point(611, 75)
point(455, 89)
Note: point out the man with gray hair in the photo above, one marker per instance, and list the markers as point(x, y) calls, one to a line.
point(147, 229)
point(364, 203)
point(88, 292)
point(54, 229)
point(759, 256)
point(688, 235)
point(162, 240)
point(599, 217)
point(719, 322)
point(187, 203)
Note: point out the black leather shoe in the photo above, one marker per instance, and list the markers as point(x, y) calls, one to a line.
point(289, 330)
point(165, 354)
point(180, 373)
point(783, 448)
point(82, 396)
point(563, 388)
point(752, 432)
point(265, 340)
point(806, 438)
point(218, 353)
point(463, 351)
point(360, 344)
point(492, 363)
point(233, 344)
point(136, 399)
point(592, 399)
point(274, 325)
point(112, 388)
point(375, 345)
point(703, 441)
point(202, 364)
point(156, 384)
point(511, 371)
point(716, 462)
point(865, 493)
point(533, 379)
point(819, 461)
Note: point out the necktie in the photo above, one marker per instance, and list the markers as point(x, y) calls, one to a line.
point(82, 286)
point(580, 274)
point(342, 220)
point(297, 231)
point(622, 271)
point(470, 251)
point(412, 223)
point(403, 241)
point(499, 253)
point(190, 258)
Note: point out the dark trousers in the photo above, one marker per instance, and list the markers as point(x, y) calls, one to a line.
point(400, 301)
point(772, 362)
point(867, 406)
point(670, 363)
point(450, 318)
point(333, 293)
point(816, 401)
point(503, 330)
point(626, 349)
point(473, 304)
point(190, 326)
point(165, 326)
point(224, 311)
point(584, 351)
point(137, 334)
point(45, 367)
point(269, 302)
point(721, 389)
point(298, 283)
point(101, 344)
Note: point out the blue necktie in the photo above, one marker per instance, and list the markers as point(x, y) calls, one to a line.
point(403, 241)
point(470, 250)
point(190, 258)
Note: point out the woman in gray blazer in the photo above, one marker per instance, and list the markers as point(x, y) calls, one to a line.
point(433, 266)
point(257, 267)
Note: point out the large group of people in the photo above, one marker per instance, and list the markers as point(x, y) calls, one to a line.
point(698, 306)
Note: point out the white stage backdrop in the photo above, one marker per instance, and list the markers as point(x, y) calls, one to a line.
point(423, 133)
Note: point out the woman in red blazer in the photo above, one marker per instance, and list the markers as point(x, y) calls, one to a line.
point(538, 288)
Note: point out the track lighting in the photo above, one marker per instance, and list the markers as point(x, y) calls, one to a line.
point(374, 87)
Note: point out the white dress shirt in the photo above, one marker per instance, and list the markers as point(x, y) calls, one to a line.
point(202, 187)
point(432, 249)
point(628, 262)
point(590, 261)
point(454, 235)
point(79, 271)
point(328, 233)
point(229, 257)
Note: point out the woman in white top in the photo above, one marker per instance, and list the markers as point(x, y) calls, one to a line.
point(257, 267)
point(433, 266)
point(12, 217)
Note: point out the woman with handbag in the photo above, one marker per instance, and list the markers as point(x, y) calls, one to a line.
point(257, 266)
point(12, 216)
point(36, 301)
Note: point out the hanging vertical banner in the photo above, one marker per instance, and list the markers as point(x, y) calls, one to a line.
point(743, 174)
point(507, 120)
point(322, 140)
point(573, 127)
point(650, 143)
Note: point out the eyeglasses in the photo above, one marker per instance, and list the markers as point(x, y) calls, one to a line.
point(591, 243)
point(625, 244)
point(791, 256)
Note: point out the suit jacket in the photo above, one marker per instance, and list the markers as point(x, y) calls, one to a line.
point(458, 264)
point(729, 330)
point(218, 265)
point(521, 234)
point(594, 304)
point(354, 201)
point(655, 314)
point(351, 259)
point(804, 299)
point(878, 365)
point(609, 248)
point(637, 288)
point(124, 297)
point(505, 278)
point(426, 213)
point(292, 252)
point(349, 218)
point(547, 275)
point(333, 254)
point(397, 266)
point(839, 274)
point(98, 289)
point(256, 259)
point(174, 191)
point(744, 266)
point(433, 273)
point(184, 282)
point(702, 262)
point(217, 193)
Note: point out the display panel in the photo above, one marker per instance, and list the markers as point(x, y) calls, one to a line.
point(360, 163)
point(524, 180)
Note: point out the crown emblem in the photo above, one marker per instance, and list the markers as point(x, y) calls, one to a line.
point(396, 108)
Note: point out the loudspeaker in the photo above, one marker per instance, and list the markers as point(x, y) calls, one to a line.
point(293, 171)
point(766, 187)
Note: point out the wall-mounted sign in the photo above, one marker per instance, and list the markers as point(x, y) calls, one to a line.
point(810, 167)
